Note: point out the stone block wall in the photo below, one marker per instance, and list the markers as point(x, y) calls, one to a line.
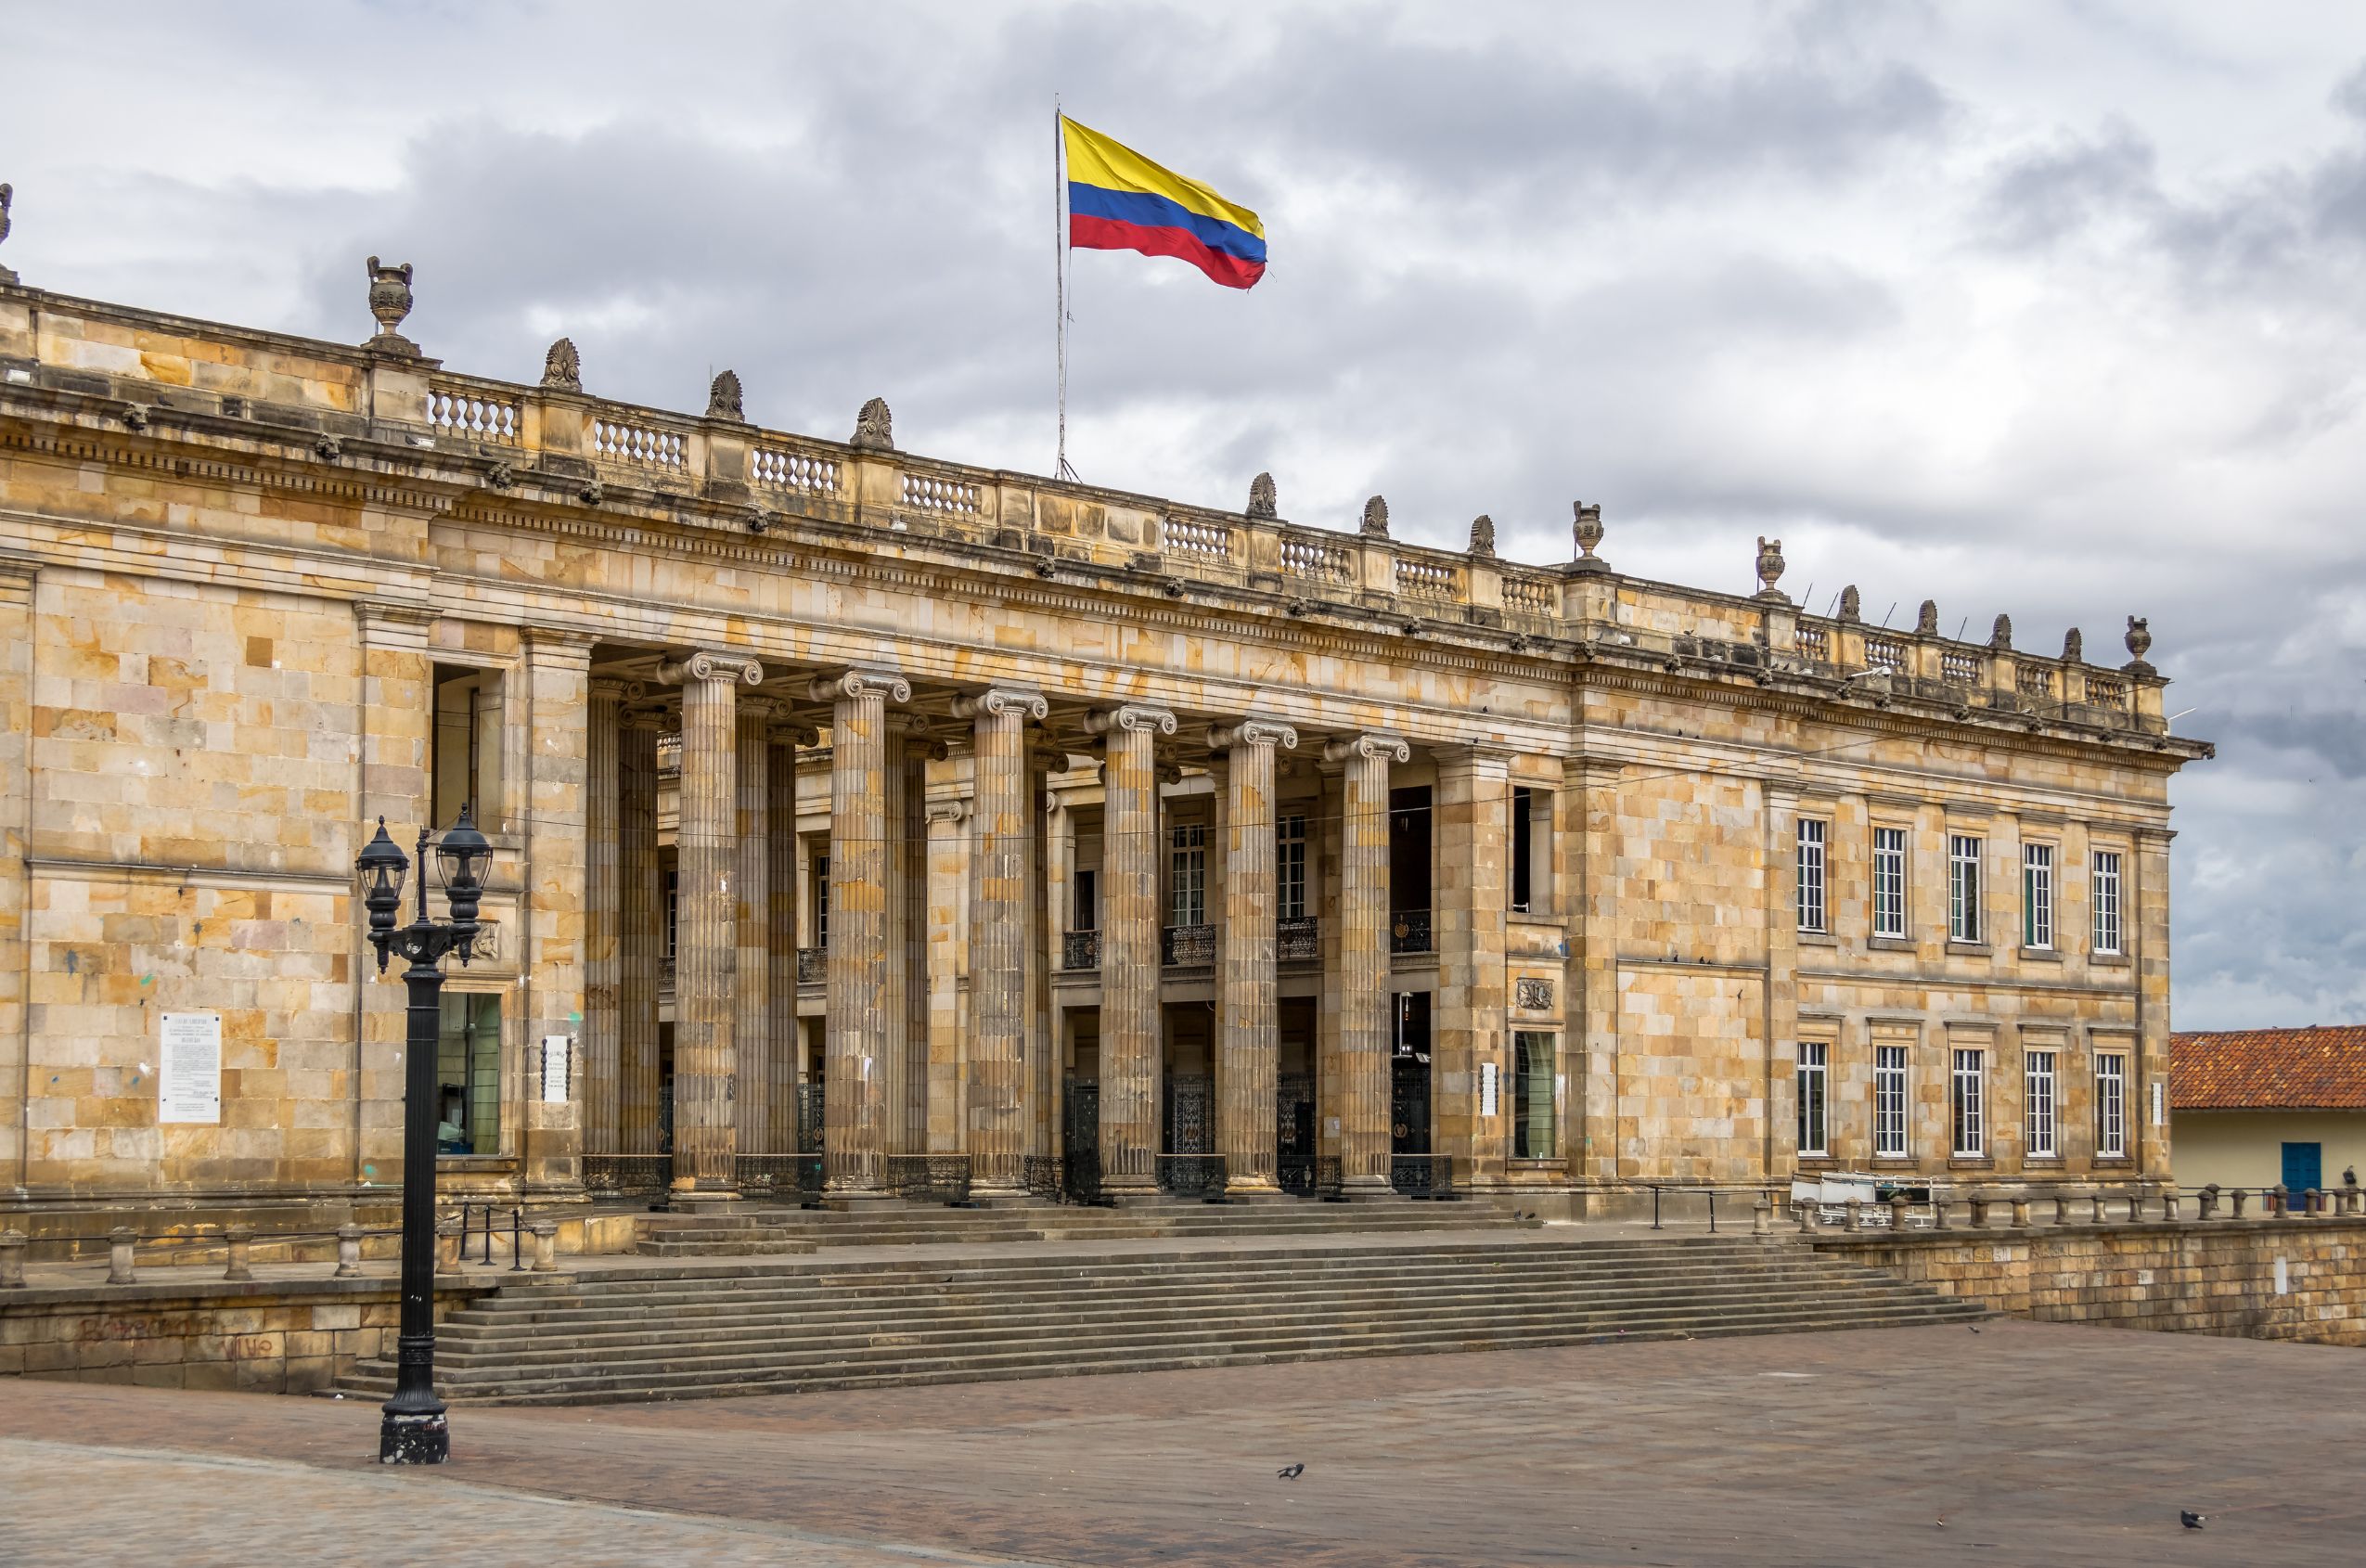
point(2287, 1280)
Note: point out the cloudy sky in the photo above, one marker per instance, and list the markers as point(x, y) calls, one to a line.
point(2054, 310)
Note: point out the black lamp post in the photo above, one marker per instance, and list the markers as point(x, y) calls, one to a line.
point(413, 1431)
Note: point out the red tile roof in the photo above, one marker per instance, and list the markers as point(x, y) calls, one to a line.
point(2318, 1069)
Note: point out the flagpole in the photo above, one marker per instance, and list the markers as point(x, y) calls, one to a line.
point(1060, 279)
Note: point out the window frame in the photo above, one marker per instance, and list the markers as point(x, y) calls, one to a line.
point(1811, 864)
point(1289, 866)
point(2111, 1105)
point(1963, 867)
point(1967, 1102)
point(480, 1085)
point(1893, 1128)
point(2038, 894)
point(1526, 1081)
point(2106, 882)
point(2041, 1105)
point(1889, 865)
point(1812, 1085)
point(1187, 881)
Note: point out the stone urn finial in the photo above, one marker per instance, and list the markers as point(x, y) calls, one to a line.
point(1483, 537)
point(8, 194)
point(2074, 647)
point(563, 369)
point(874, 428)
point(2140, 637)
point(1852, 604)
point(1926, 620)
point(1588, 528)
point(723, 401)
point(390, 300)
point(1262, 499)
point(1770, 564)
point(1375, 525)
point(2001, 635)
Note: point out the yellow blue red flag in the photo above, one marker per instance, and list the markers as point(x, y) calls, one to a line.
point(1120, 200)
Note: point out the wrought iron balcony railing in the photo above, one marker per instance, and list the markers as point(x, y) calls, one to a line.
point(1189, 946)
point(928, 1178)
point(1192, 1176)
point(1301, 941)
point(627, 1176)
point(813, 965)
point(1080, 950)
point(1409, 932)
point(1422, 1176)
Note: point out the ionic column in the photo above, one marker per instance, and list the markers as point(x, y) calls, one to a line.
point(603, 918)
point(853, 1103)
point(1363, 960)
point(1129, 955)
point(910, 842)
point(706, 954)
point(999, 918)
point(780, 927)
point(750, 915)
point(556, 678)
point(905, 790)
point(640, 937)
point(1248, 1035)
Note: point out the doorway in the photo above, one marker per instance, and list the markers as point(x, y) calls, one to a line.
point(2304, 1168)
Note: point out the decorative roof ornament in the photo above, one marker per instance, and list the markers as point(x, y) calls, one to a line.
point(2074, 648)
point(1852, 604)
point(2001, 635)
point(1588, 527)
point(562, 368)
point(1927, 622)
point(1262, 501)
point(8, 194)
point(874, 428)
point(1770, 564)
point(1483, 537)
point(2139, 643)
point(1375, 525)
point(723, 399)
point(390, 300)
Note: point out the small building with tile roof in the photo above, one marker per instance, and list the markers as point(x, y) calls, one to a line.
point(2255, 1107)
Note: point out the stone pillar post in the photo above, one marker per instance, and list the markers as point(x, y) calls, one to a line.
point(640, 903)
point(752, 1042)
point(1362, 1068)
point(1779, 996)
point(1130, 1033)
point(1473, 818)
point(1000, 912)
point(349, 1251)
point(947, 905)
point(853, 1102)
point(1248, 1021)
point(557, 668)
point(2146, 914)
point(1586, 879)
point(705, 941)
point(238, 1241)
point(603, 918)
point(780, 929)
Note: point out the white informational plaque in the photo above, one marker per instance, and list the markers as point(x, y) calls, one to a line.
point(555, 1064)
point(189, 1084)
point(1487, 1088)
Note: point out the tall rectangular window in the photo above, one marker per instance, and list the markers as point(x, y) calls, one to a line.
point(2106, 901)
point(467, 1073)
point(1889, 881)
point(822, 901)
point(1087, 882)
point(2037, 895)
point(1289, 884)
point(1963, 887)
point(1889, 1102)
point(673, 911)
point(1814, 1101)
point(1811, 874)
point(1187, 881)
point(1523, 849)
point(2041, 1106)
point(1969, 1103)
point(464, 765)
point(1533, 1082)
point(2111, 1105)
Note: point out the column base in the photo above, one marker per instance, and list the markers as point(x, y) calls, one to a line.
point(1254, 1189)
point(1369, 1190)
point(703, 1201)
point(862, 1200)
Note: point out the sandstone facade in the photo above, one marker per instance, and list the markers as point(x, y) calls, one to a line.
point(949, 818)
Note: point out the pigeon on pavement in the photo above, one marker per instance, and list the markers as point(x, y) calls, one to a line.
point(1292, 1473)
point(2190, 1518)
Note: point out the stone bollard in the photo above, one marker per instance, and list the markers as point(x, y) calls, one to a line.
point(349, 1251)
point(2095, 1207)
point(1979, 1200)
point(2209, 1201)
point(1806, 1214)
point(1897, 1214)
point(239, 1238)
point(2309, 1203)
point(1855, 1218)
point(2279, 1200)
point(2062, 1208)
point(448, 1242)
point(12, 1259)
point(546, 1235)
point(2349, 1196)
point(119, 1255)
point(2021, 1211)
point(2171, 1204)
point(2238, 1197)
point(1938, 1209)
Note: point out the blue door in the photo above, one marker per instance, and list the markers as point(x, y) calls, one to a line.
point(2304, 1168)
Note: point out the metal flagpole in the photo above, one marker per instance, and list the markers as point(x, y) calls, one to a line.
point(1059, 276)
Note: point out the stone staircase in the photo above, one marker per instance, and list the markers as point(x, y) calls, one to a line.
point(776, 1232)
point(698, 1330)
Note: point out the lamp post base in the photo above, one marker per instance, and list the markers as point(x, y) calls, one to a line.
point(413, 1440)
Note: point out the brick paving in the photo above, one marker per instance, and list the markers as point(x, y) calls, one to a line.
point(2023, 1443)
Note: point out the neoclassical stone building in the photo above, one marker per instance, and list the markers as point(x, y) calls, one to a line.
point(867, 823)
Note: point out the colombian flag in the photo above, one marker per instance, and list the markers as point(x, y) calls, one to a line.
point(1120, 200)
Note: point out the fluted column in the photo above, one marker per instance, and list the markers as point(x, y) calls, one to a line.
point(998, 919)
point(706, 841)
point(751, 915)
point(780, 929)
point(1248, 1032)
point(1130, 1036)
point(1362, 1068)
point(905, 790)
point(603, 917)
point(908, 934)
point(640, 903)
point(853, 1103)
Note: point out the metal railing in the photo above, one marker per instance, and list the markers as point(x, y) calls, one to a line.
point(1422, 1176)
point(780, 1176)
point(1188, 946)
point(1192, 1176)
point(1409, 932)
point(1080, 950)
point(1317, 1177)
point(627, 1176)
point(1299, 942)
point(1734, 1197)
point(930, 1178)
point(813, 965)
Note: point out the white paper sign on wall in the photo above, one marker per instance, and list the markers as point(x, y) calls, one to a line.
point(556, 1051)
point(1487, 1088)
point(188, 1081)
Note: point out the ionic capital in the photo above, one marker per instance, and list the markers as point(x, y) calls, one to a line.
point(1252, 732)
point(1387, 747)
point(654, 718)
point(613, 689)
point(956, 810)
point(1001, 702)
point(862, 683)
point(707, 664)
point(1133, 718)
point(786, 731)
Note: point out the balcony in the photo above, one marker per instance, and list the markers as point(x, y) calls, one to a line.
point(813, 965)
point(1188, 946)
point(1080, 950)
point(1300, 942)
point(1409, 932)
